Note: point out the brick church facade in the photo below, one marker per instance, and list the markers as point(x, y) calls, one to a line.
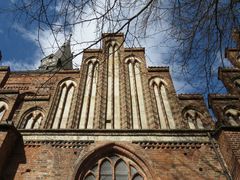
point(115, 119)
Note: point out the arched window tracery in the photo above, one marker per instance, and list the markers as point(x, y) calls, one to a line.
point(232, 116)
point(194, 119)
point(162, 102)
point(67, 90)
point(3, 109)
point(114, 168)
point(90, 176)
point(89, 95)
point(139, 116)
point(32, 120)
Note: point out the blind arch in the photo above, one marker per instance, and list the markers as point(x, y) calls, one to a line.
point(64, 102)
point(113, 115)
point(32, 119)
point(139, 116)
point(194, 119)
point(232, 116)
point(164, 111)
point(89, 95)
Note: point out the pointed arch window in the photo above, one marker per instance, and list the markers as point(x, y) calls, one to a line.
point(162, 102)
point(232, 116)
point(89, 95)
point(113, 87)
point(32, 120)
point(194, 119)
point(3, 109)
point(139, 117)
point(106, 170)
point(61, 117)
point(114, 167)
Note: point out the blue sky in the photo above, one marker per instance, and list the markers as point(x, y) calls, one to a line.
point(21, 50)
point(16, 49)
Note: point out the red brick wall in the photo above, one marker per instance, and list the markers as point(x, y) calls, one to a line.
point(41, 162)
point(229, 142)
point(165, 162)
point(8, 137)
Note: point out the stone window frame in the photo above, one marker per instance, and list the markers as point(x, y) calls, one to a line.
point(90, 158)
point(26, 114)
point(200, 114)
point(112, 101)
point(137, 85)
point(133, 170)
point(95, 62)
point(163, 99)
point(236, 117)
point(61, 85)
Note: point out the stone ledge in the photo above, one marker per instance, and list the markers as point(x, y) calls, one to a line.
point(212, 98)
point(92, 50)
point(134, 49)
point(103, 135)
point(158, 68)
point(9, 91)
point(118, 131)
point(37, 98)
point(190, 96)
point(45, 72)
point(229, 69)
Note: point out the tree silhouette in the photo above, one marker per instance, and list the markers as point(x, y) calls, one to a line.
point(196, 31)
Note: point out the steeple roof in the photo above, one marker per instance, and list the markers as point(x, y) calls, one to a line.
point(62, 59)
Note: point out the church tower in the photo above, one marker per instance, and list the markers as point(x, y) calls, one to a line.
point(62, 59)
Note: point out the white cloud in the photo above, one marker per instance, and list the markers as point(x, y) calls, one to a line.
point(19, 65)
point(82, 37)
point(28, 35)
point(85, 34)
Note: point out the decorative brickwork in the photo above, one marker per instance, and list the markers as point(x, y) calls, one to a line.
point(68, 124)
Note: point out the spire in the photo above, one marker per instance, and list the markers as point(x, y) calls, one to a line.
point(62, 59)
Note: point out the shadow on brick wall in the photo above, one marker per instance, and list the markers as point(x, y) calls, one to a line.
point(12, 148)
